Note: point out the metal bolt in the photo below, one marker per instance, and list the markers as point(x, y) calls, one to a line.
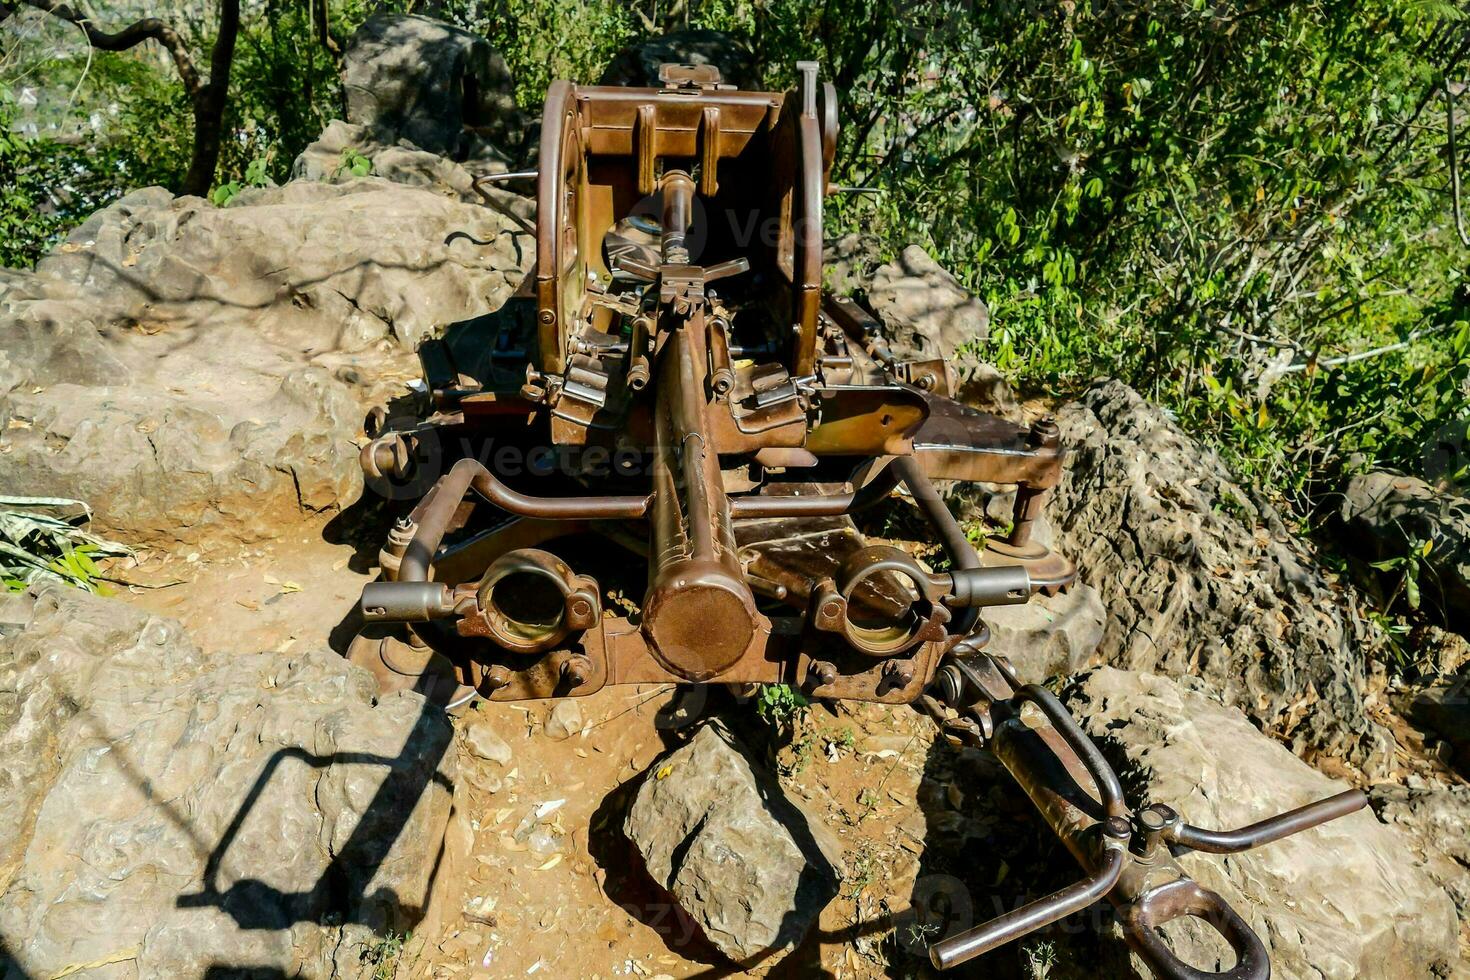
point(1117, 828)
point(581, 608)
point(1044, 432)
point(824, 672)
point(576, 670)
point(1153, 821)
point(547, 317)
point(899, 672)
point(496, 678)
point(831, 609)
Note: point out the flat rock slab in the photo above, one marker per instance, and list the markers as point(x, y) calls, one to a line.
point(172, 812)
point(199, 374)
point(1436, 816)
point(1344, 900)
point(747, 863)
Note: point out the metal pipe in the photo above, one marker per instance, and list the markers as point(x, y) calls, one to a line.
point(722, 375)
point(1028, 918)
point(678, 211)
point(951, 536)
point(511, 175)
point(699, 614)
point(639, 369)
point(1000, 585)
point(468, 474)
point(818, 505)
point(1268, 830)
point(1052, 765)
point(406, 602)
point(1108, 786)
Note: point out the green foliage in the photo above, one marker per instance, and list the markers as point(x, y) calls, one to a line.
point(1408, 566)
point(354, 163)
point(780, 704)
point(255, 176)
point(46, 187)
point(383, 954)
point(38, 543)
point(1177, 194)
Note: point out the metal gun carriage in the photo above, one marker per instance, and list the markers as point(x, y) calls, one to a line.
point(711, 411)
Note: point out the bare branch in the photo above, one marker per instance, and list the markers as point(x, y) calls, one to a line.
point(1365, 354)
point(148, 29)
point(1449, 128)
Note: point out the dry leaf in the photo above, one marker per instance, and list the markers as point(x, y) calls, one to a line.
point(555, 860)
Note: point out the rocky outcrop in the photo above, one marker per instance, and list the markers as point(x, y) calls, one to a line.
point(1201, 578)
point(848, 264)
point(181, 812)
point(925, 311)
point(328, 159)
point(198, 374)
point(1434, 817)
point(747, 864)
point(1390, 516)
point(927, 314)
point(1442, 710)
point(637, 64)
point(1343, 900)
point(442, 89)
point(1050, 636)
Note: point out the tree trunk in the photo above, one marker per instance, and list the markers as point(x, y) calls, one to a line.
point(209, 104)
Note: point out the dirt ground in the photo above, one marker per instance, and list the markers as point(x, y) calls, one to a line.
point(573, 900)
point(538, 878)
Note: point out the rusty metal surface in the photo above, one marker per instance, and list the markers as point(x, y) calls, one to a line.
point(717, 420)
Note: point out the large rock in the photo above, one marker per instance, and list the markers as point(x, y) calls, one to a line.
point(748, 864)
point(173, 812)
point(198, 374)
point(1388, 515)
point(925, 311)
point(1343, 900)
point(1202, 578)
point(1050, 636)
point(1436, 819)
point(441, 88)
point(637, 64)
point(404, 163)
point(927, 314)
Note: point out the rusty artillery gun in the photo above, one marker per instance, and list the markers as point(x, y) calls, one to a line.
point(714, 414)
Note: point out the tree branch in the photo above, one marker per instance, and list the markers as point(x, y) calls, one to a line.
point(324, 31)
point(1449, 126)
point(148, 29)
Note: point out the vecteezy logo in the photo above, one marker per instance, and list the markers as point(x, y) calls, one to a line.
point(648, 214)
point(940, 907)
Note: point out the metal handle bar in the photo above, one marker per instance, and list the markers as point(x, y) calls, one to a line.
point(1265, 831)
point(1108, 786)
point(1185, 897)
point(1035, 915)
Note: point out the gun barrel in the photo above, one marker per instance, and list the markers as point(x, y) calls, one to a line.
point(699, 614)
